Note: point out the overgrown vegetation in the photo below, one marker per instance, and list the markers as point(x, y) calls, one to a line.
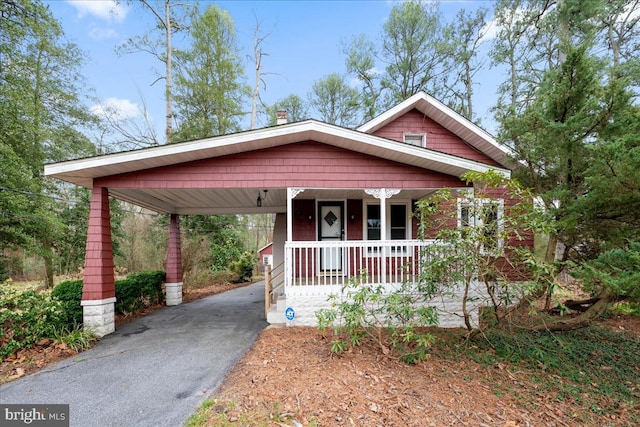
point(69, 293)
point(394, 320)
point(26, 317)
point(594, 367)
point(139, 290)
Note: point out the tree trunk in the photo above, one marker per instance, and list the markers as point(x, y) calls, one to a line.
point(584, 319)
point(168, 84)
point(48, 263)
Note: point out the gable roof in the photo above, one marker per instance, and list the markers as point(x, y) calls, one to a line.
point(446, 117)
point(265, 247)
point(83, 171)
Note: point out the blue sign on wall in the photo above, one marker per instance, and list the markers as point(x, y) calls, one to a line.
point(289, 313)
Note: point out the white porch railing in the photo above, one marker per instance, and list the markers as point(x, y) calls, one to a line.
point(321, 268)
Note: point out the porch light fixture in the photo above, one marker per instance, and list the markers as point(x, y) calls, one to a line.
point(310, 219)
point(260, 199)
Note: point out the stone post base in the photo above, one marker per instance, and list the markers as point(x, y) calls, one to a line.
point(98, 316)
point(173, 293)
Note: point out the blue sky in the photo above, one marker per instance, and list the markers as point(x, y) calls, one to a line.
point(303, 47)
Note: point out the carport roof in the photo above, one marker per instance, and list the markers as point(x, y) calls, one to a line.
point(83, 171)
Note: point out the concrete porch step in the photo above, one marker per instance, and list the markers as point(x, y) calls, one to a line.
point(275, 316)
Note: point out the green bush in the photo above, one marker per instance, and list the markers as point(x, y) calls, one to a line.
point(69, 294)
point(243, 268)
point(394, 320)
point(26, 318)
point(617, 270)
point(139, 290)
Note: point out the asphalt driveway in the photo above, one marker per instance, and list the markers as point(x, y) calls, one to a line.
point(155, 370)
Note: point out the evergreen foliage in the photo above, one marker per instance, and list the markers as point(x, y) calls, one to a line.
point(209, 88)
point(27, 317)
point(69, 293)
point(139, 290)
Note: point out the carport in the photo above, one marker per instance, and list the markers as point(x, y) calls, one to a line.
point(219, 175)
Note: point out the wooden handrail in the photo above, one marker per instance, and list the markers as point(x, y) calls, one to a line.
point(269, 279)
point(267, 289)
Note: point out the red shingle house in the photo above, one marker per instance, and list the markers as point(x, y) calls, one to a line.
point(265, 256)
point(343, 198)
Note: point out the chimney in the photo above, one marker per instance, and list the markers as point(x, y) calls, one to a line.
point(281, 117)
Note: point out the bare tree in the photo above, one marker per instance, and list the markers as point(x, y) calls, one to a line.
point(159, 45)
point(258, 54)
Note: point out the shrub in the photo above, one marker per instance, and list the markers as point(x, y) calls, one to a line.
point(617, 270)
point(139, 290)
point(243, 268)
point(395, 320)
point(69, 294)
point(26, 318)
point(76, 339)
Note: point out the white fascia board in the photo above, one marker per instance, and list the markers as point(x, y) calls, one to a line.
point(467, 124)
point(393, 112)
point(411, 150)
point(177, 153)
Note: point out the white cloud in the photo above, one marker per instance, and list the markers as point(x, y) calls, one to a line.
point(98, 33)
point(107, 10)
point(629, 13)
point(355, 81)
point(490, 30)
point(117, 108)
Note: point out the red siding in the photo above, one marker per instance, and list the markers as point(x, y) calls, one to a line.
point(438, 138)
point(99, 281)
point(303, 228)
point(304, 164)
point(268, 250)
point(174, 252)
point(354, 226)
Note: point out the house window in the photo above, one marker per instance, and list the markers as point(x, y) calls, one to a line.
point(485, 213)
point(417, 139)
point(396, 222)
point(373, 222)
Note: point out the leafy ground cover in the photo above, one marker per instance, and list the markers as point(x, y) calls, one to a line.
point(290, 377)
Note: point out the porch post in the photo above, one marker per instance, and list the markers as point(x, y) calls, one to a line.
point(291, 194)
point(288, 259)
point(173, 285)
point(383, 194)
point(98, 290)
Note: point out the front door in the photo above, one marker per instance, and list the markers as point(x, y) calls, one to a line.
point(331, 228)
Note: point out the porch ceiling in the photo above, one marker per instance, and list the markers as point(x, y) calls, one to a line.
point(238, 201)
